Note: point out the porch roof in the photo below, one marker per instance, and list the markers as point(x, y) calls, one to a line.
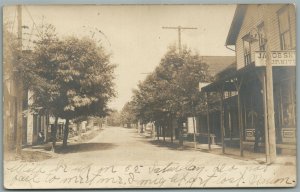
point(226, 82)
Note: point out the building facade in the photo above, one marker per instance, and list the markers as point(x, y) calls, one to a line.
point(242, 113)
point(216, 64)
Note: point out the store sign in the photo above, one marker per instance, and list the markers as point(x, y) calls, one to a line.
point(278, 58)
point(288, 135)
point(190, 124)
point(250, 134)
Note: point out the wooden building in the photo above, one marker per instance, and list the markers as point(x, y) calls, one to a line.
point(240, 113)
point(216, 64)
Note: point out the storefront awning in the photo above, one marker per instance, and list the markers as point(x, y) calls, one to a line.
point(226, 83)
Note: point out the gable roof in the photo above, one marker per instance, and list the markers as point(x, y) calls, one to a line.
point(217, 64)
point(236, 24)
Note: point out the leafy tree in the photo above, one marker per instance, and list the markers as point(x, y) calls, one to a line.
point(128, 115)
point(171, 91)
point(77, 75)
point(114, 118)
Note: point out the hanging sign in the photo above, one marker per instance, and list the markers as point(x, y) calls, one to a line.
point(278, 58)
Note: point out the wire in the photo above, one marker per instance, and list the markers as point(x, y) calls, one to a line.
point(10, 36)
point(12, 28)
point(103, 35)
point(34, 24)
point(30, 36)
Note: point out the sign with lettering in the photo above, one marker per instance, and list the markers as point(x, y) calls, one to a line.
point(278, 58)
point(191, 124)
point(288, 135)
point(250, 134)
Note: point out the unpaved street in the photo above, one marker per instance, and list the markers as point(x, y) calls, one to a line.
point(120, 157)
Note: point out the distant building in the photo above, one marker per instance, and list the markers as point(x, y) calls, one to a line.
point(216, 64)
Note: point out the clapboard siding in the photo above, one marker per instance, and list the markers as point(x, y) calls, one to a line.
point(254, 17)
point(293, 25)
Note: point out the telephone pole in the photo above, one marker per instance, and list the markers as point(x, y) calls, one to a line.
point(179, 28)
point(270, 131)
point(18, 85)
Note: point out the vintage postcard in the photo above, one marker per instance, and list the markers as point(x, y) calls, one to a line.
point(149, 96)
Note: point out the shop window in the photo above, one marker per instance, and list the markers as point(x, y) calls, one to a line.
point(288, 104)
point(261, 37)
point(247, 51)
point(284, 29)
point(253, 104)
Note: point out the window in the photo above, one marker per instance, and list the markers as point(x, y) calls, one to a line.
point(247, 51)
point(261, 37)
point(284, 29)
point(287, 93)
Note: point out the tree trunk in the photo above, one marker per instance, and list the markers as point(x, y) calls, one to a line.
point(157, 130)
point(66, 133)
point(78, 131)
point(171, 126)
point(152, 130)
point(164, 131)
point(53, 134)
point(180, 133)
point(142, 128)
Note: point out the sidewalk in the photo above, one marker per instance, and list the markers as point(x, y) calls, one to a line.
point(217, 149)
point(44, 151)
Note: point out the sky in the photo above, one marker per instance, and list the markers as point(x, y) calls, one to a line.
point(133, 34)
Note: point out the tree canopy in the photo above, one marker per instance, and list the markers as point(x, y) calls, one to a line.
point(127, 115)
point(70, 77)
point(173, 87)
point(78, 77)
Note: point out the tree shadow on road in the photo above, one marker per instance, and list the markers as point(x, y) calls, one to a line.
point(167, 144)
point(84, 147)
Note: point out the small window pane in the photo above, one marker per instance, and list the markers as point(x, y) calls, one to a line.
point(284, 21)
point(284, 29)
point(247, 53)
point(262, 38)
point(286, 39)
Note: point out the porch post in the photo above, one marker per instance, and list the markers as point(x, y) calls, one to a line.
point(208, 127)
point(222, 120)
point(238, 87)
point(240, 124)
point(194, 126)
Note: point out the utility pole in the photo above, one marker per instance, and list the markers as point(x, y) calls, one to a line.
point(179, 28)
point(270, 134)
point(19, 87)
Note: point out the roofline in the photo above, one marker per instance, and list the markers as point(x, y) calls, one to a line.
point(236, 24)
point(217, 56)
point(216, 85)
